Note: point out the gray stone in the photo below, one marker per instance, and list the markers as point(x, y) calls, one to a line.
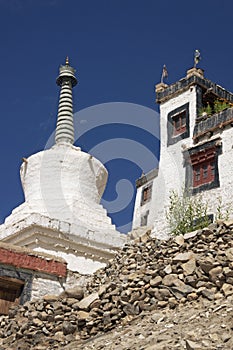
point(68, 328)
point(170, 280)
point(228, 223)
point(189, 267)
point(227, 289)
point(157, 317)
point(183, 257)
point(168, 269)
point(75, 292)
point(216, 273)
point(190, 345)
point(85, 303)
point(206, 265)
point(179, 240)
point(229, 254)
point(209, 294)
point(51, 298)
point(189, 235)
point(155, 281)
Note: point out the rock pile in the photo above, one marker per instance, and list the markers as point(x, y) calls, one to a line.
point(146, 274)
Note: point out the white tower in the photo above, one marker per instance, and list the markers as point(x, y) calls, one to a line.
point(196, 119)
point(62, 214)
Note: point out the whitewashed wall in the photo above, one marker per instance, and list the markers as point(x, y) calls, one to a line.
point(225, 168)
point(171, 171)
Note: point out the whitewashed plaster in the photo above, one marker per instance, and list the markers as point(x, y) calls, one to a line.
point(42, 286)
point(171, 175)
point(224, 192)
point(62, 214)
point(63, 187)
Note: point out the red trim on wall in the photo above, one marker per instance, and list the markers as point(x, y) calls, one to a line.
point(36, 263)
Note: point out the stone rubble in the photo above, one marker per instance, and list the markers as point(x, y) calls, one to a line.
point(182, 287)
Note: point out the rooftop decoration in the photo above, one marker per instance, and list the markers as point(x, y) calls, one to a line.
point(65, 124)
point(197, 57)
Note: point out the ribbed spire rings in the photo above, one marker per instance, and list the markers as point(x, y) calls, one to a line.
point(65, 123)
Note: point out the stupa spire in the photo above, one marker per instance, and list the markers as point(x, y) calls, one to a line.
point(65, 123)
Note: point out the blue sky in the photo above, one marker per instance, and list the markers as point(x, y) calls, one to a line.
point(118, 49)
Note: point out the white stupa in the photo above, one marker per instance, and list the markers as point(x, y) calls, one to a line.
point(62, 214)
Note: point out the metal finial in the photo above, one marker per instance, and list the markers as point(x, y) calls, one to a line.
point(65, 123)
point(164, 73)
point(197, 57)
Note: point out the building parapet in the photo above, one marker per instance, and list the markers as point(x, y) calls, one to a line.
point(147, 177)
point(194, 77)
point(212, 123)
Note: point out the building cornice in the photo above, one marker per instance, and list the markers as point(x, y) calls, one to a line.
point(194, 77)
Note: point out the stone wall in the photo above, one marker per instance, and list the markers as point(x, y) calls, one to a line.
point(146, 275)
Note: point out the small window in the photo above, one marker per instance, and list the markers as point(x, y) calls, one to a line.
point(204, 165)
point(197, 174)
point(203, 173)
point(144, 218)
point(146, 194)
point(10, 292)
point(179, 123)
point(212, 166)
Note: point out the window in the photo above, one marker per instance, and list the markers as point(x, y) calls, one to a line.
point(204, 167)
point(10, 292)
point(201, 163)
point(203, 173)
point(146, 194)
point(197, 174)
point(144, 218)
point(179, 123)
point(212, 165)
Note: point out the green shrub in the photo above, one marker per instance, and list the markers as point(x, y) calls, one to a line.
point(220, 215)
point(220, 106)
point(207, 110)
point(186, 213)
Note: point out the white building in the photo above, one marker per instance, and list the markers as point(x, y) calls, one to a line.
point(196, 121)
point(62, 214)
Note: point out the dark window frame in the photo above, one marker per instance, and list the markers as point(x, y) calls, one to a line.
point(144, 218)
point(146, 194)
point(203, 173)
point(178, 131)
point(10, 292)
point(179, 123)
point(206, 154)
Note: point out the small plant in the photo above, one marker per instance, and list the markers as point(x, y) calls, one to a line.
point(207, 110)
point(186, 213)
point(220, 106)
point(219, 211)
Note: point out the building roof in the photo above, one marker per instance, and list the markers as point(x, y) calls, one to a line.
point(195, 76)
